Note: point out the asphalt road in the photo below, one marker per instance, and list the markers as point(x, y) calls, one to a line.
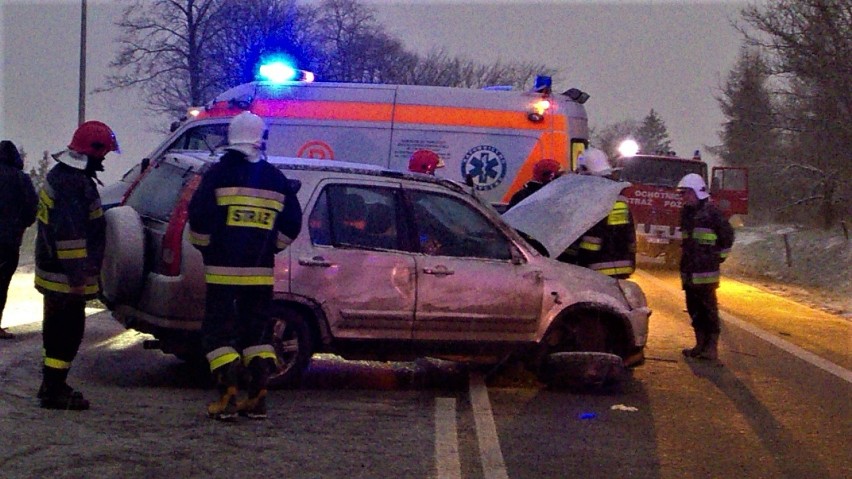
point(778, 406)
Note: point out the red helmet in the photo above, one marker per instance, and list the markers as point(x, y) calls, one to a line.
point(94, 138)
point(545, 170)
point(424, 161)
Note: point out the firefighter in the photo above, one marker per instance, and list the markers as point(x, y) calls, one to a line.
point(609, 247)
point(424, 161)
point(68, 253)
point(18, 203)
point(707, 240)
point(244, 212)
point(544, 172)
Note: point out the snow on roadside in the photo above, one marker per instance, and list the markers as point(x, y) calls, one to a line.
point(812, 266)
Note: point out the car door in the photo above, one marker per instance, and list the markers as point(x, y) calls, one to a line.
point(472, 282)
point(353, 261)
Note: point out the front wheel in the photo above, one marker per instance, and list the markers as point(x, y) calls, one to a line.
point(291, 338)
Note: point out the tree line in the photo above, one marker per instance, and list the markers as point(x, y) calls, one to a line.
point(786, 102)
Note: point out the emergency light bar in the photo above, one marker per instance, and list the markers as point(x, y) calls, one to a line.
point(280, 72)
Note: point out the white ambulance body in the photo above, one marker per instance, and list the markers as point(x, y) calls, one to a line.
point(490, 136)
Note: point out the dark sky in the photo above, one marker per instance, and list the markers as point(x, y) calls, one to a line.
point(631, 56)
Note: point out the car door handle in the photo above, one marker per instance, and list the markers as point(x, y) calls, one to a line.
point(315, 261)
point(439, 271)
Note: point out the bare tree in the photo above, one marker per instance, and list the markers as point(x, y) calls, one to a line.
point(165, 52)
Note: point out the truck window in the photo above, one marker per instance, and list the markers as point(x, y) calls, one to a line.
point(729, 179)
point(658, 171)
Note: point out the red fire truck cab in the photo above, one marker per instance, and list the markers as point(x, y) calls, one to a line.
point(655, 202)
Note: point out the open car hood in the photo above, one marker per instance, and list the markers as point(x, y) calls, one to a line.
point(564, 209)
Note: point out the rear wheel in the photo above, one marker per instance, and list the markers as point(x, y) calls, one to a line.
point(292, 340)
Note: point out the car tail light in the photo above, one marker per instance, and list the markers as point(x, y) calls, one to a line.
point(170, 255)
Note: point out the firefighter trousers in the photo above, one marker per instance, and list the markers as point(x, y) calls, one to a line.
point(236, 317)
point(703, 308)
point(63, 328)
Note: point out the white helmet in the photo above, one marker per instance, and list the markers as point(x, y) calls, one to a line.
point(246, 129)
point(594, 162)
point(696, 183)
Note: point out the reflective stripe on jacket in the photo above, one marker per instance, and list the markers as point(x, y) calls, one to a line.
point(609, 247)
point(707, 239)
point(71, 229)
point(241, 215)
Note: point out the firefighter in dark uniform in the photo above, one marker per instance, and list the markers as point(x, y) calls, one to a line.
point(68, 253)
point(544, 172)
point(707, 240)
point(244, 212)
point(608, 247)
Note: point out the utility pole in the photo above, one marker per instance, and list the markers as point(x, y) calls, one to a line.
point(81, 101)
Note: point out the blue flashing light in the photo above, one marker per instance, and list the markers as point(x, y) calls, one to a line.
point(278, 72)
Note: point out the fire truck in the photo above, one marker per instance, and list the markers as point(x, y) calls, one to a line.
point(488, 138)
point(656, 204)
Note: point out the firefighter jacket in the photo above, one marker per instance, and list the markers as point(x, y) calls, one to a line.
point(240, 216)
point(18, 199)
point(707, 240)
point(608, 247)
point(71, 227)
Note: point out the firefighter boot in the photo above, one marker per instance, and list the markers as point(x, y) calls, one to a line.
point(700, 342)
point(54, 393)
point(710, 351)
point(227, 377)
point(254, 406)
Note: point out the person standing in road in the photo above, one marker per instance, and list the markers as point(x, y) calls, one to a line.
point(18, 203)
point(544, 172)
point(707, 240)
point(244, 212)
point(608, 247)
point(68, 254)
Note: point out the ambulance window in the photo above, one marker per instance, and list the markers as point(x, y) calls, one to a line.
point(202, 138)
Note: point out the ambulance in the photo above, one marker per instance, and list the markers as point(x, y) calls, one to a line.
point(487, 138)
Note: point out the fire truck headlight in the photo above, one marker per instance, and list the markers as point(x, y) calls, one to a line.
point(628, 148)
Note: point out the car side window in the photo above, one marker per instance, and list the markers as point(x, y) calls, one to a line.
point(357, 217)
point(447, 226)
point(158, 191)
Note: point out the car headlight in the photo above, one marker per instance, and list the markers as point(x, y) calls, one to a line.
point(633, 294)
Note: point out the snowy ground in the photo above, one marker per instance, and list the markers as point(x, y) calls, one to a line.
point(812, 266)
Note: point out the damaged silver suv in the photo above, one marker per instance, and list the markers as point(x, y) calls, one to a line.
point(388, 266)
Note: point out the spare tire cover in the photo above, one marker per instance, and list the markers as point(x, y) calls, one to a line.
point(122, 272)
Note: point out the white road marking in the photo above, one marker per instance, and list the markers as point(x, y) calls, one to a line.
point(791, 348)
point(493, 466)
point(447, 462)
